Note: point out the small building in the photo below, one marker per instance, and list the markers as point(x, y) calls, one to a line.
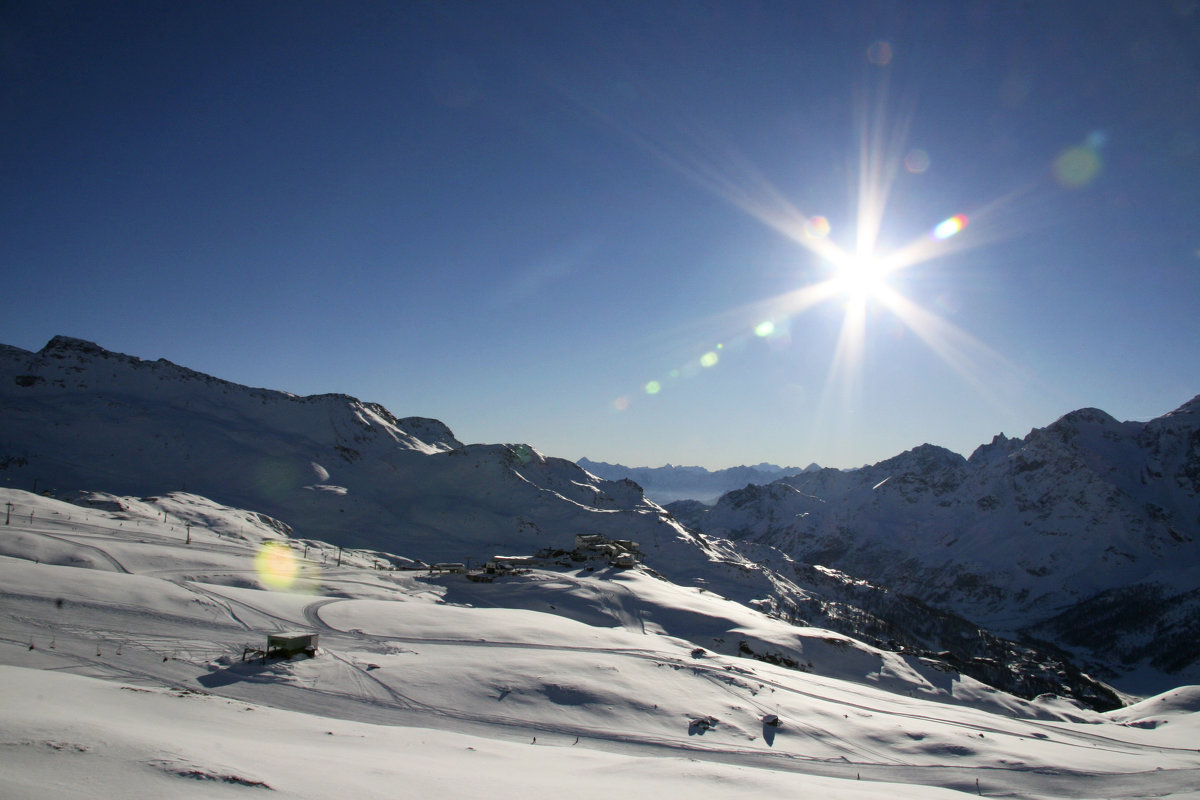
point(590, 541)
point(451, 567)
point(625, 561)
point(503, 564)
point(286, 645)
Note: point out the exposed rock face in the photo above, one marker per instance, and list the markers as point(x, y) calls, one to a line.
point(1040, 533)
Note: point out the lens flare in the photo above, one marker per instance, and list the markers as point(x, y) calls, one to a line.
point(916, 161)
point(857, 270)
point(880, 54)
point(276, 566)
point(653, 387)
point(948, 227)
point(816, 228)
point(1076, 167)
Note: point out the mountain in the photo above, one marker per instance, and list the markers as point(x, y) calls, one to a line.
point(76, 417)
point(1084, 534)
point(673, 483)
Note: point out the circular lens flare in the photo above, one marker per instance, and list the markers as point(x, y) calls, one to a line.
point(880, 53)
point(1076, 167)
point(276, 566)
point(816, 227)
point(916, 161)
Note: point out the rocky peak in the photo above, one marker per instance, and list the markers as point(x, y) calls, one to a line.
point(433, 431)
point(924, 458)
point(69, 344)
point(999, 448)
point(1069, 425)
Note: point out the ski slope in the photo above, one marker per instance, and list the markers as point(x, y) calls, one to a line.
point(122, 629)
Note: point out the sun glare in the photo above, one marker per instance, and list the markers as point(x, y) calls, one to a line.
point(858, 270)
point(859, 277)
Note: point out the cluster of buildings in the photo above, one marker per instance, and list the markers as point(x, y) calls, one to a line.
point(620, 553)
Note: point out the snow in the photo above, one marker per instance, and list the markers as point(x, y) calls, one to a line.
point(349, 473)
point(123, 626)
point(1029, 535)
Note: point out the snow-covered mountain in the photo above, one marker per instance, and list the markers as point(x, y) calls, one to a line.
point(672, 483)
point(125, 624)
point(1085, 533)
point(76, 417)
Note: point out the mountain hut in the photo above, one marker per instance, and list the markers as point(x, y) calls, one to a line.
point(286, 645)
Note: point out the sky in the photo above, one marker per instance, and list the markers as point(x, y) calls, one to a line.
point(708, 233)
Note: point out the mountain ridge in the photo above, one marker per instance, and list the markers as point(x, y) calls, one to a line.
point(76, 417)
point(1015, 536)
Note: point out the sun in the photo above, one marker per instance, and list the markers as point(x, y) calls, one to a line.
point(859, 277)
point(860, 269)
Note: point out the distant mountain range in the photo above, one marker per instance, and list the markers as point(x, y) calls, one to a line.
point(670, 483)
point(907, 554)
point(1085, 534)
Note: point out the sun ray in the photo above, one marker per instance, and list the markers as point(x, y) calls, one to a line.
point(859, 275)
point(880, 156)
point(973, 361)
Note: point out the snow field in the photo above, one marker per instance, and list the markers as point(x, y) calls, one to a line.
point(441, 685)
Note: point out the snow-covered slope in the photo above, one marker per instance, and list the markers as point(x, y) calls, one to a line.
point(1086, 531)
point(77, 417)
point(123, 623)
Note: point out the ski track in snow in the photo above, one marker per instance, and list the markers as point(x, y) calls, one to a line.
point(124, 641)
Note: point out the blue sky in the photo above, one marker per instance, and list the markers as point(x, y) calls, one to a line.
point(567, 223)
